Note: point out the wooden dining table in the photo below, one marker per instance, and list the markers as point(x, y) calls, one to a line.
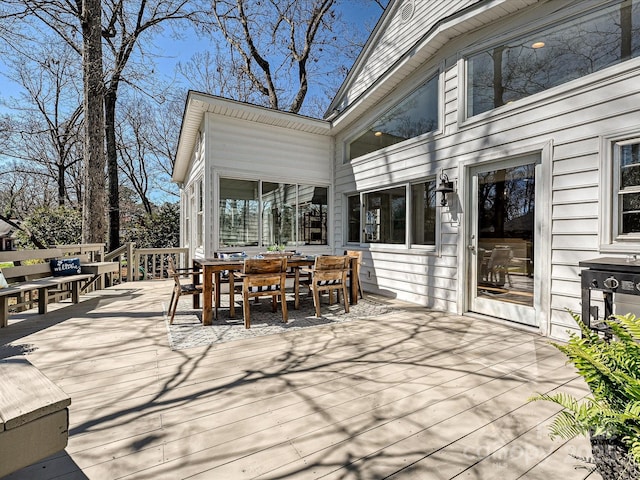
point(212, 269)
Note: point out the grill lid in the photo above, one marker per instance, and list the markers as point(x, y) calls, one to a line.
point(612, 264)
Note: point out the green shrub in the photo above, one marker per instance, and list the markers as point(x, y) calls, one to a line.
point(51, 226)
point(611, 369)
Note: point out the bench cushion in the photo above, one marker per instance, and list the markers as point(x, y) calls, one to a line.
point(65, 266)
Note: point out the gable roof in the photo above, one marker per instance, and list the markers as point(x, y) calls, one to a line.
point(5, 229)
point(198, 103)
point(452, 20)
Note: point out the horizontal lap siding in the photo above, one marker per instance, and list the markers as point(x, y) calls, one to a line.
point(429, 279)
point(268, 152)
point(573, 121)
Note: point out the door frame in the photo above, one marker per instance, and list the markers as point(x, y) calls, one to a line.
point(542, 262)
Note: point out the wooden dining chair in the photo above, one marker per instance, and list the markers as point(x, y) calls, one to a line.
point(354, 274)
point(263, 277)
point(180, 287)
point(329, 274)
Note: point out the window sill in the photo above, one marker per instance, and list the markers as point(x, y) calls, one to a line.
point(630, 246)
point(416, 250)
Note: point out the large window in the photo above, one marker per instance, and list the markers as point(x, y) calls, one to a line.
point(627, 186)
point(528, 65)
point(239, 207)
point(385, 216)
point(292, 214)
point(413, 116)
point(278, 213)
point(384, 213)
point(423, 213)
point(200, 214)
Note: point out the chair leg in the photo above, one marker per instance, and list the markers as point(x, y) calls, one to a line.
point(274, 303)
point(345, 298)
point(316, 301)
point(285, 312)
point(173, 294)
point(175, 307)
point(246, 308)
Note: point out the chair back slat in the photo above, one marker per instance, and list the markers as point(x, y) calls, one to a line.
point(264, 277)
point(331, 262)
point(265, 265)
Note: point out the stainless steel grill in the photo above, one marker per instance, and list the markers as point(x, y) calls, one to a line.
point(610, 275)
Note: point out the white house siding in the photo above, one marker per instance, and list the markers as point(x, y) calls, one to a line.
point(195, 172)
point(399, 36)
point(569, 120)
point(240, 148)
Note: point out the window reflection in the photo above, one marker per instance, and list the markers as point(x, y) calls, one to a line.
point(415, 115)
point(239, 207)
point(292, 214)
point(385, 216)
point(312, 214)
point(353, 231)
point(278, 213)
point(629, 173)
point(423, 213)
point(554, 56)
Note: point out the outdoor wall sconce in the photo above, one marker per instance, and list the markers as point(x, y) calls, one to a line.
point(445, 187)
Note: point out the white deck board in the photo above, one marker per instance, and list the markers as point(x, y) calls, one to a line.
point(413, 394)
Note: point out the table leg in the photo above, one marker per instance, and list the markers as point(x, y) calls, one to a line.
point(216, 277)
point(207, 292)
point(232, 294)
point(353, 287)
point(196, 281)
point(296, 289)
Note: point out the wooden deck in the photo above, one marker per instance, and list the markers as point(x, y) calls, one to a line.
point(412, 395)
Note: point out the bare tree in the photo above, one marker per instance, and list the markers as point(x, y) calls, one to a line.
point(274, 42)
point(94, 225)
point(278, 52)
point(79, 24)
point(134, 148)
point(218, 71)
point(125, 24)
point(46, 130)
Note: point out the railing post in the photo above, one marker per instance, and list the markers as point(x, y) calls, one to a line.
point(131, 262)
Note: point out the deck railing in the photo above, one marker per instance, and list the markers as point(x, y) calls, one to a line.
point(149, 263)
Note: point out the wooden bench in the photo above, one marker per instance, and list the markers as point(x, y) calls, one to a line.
point(34, 415)
point(101, 271)
point(37, 277)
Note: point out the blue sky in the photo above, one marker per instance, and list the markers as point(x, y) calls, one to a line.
point(359, 12)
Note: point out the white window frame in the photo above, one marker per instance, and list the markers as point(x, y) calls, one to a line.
point(261, 239)
point(388, 106)
point(406, 245)
point(610, 238)
point(200, 213)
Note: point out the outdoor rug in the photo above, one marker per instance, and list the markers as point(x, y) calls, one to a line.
point(187, 330)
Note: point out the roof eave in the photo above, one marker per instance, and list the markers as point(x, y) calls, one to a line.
point(198, 104)
point(426, 47)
